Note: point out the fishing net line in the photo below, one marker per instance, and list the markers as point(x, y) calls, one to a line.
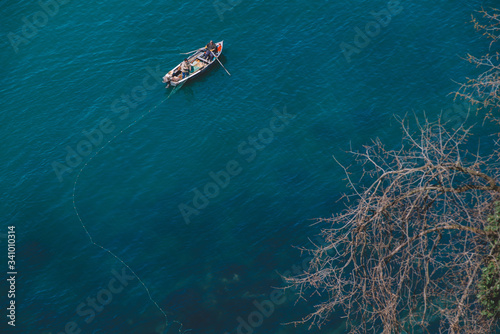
point(167, 323)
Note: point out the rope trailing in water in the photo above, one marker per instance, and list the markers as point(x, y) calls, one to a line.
point(106, 249)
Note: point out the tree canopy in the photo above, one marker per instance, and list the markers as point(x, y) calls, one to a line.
point(419, 243)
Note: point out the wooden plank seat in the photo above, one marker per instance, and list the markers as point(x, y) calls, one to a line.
point(203, 59)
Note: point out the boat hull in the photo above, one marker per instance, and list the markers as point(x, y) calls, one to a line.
point(198, 64)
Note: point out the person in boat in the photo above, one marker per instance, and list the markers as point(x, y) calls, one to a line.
point(211, 49)
point(185, 68)
point(168, 77)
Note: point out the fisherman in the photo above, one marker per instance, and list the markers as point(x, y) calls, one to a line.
point(211, 49)
point(167, 77)
point(185, 68)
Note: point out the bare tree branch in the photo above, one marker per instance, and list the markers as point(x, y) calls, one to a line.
point(407, 253)
point(485, 89)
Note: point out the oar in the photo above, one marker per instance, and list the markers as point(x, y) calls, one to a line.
point(186, 53)
point(220, 63)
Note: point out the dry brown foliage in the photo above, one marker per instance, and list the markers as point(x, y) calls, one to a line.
point(408, 250)
point(484, 90)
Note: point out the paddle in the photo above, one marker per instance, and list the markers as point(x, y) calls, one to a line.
point(186, 53)
point(220, 63)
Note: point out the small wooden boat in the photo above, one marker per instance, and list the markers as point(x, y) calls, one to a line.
point(198, 65)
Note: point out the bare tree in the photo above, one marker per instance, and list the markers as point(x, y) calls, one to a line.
point(408, 252)
point(485, 89)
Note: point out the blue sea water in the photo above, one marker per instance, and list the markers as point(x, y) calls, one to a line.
point(95, 66)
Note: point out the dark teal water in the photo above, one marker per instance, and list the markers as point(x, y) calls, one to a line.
point(95, 65)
